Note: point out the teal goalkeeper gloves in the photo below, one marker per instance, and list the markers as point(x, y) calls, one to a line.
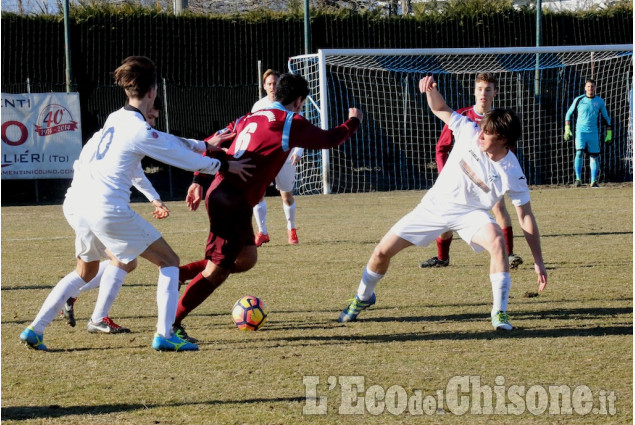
point(567, 132)
point(609, 136)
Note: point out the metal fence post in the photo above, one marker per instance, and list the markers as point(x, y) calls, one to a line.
point(167, 130)
point(36, 181)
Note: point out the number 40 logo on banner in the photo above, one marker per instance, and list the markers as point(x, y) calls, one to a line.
point(41, 135)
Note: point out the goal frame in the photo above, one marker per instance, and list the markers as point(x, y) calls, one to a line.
point(322, 55)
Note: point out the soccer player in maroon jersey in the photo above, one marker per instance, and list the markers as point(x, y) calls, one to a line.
point(265, 137)
point(485, 89)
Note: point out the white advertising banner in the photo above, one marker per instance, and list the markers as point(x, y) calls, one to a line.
point(41, 135)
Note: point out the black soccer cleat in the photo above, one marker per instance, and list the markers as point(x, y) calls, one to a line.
point(434, 262)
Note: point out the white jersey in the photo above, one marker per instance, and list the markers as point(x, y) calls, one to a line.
point(470, 178)
point(139, 180)
point(110, 164)
point(265, 103)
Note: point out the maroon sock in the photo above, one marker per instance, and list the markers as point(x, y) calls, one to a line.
point(189, 271)
point(443, 248)
point(509, 239)
point(196, 292)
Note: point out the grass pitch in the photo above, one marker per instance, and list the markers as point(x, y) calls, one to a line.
point(428, 328)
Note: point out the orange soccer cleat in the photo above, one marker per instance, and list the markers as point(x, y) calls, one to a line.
point(293, 237)
point(261, 238)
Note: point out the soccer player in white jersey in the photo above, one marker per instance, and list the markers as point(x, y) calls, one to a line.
point(100, 321)
point(285, 178)
point(97, 205)
point(481, 168)
point(485, 90)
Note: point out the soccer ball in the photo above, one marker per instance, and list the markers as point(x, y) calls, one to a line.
point(249, 313)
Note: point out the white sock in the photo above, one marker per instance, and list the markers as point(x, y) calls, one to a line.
point(96, 280)
point(289, 212)
point(108, 290)
point(369, 281)
point(167, 299)
point(501, 282)
point(68, 285)
point(260, 213)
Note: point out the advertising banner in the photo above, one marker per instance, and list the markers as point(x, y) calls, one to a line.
point(41, 135)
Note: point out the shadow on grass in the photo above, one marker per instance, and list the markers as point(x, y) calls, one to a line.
point(557, 314)
point(559, 235)
point(55, 411)
point(517, 333)
point(51, 285)
point(553, 332)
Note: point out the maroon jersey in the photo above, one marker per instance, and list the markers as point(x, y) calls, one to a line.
point(446, 139)
point(266, 137)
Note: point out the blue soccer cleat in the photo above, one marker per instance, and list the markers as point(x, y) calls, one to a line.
point(33, 340)
point(354, 308)
point(500, 321)
point(174, 343)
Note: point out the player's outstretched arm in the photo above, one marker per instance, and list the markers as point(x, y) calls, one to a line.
point(528, 223)
point(306, 135)
point(436, 102)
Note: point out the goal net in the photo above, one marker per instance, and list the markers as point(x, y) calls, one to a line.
point(395, 147)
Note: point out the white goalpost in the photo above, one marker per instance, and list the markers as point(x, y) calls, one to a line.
point(395, 147)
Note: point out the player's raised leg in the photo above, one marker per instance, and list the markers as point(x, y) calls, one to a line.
point(377, 266)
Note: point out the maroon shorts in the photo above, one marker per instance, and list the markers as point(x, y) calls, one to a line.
point(230, 227)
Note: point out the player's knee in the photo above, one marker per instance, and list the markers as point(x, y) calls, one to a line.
point(446, 235)
point(497, 245)
point(594, 155)
point(380, 255)
point(246, 260)
point(492, 239)
point(287, 198)
point(499, 209)
point(87, 270)
point(128, 268)
point(170, 259)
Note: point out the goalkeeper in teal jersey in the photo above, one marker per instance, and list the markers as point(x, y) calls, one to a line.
point(587, 106)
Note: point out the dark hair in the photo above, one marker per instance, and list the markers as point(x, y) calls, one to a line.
point(269, 72)
point(503, 122)
point(158, 103)
point(488, 78)
point(137, 75)
point(291, 86)
point(590, 80)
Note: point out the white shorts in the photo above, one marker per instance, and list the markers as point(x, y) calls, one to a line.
point(285, 180)
point(424, 224)
point(119, 229)
point(87, 246)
